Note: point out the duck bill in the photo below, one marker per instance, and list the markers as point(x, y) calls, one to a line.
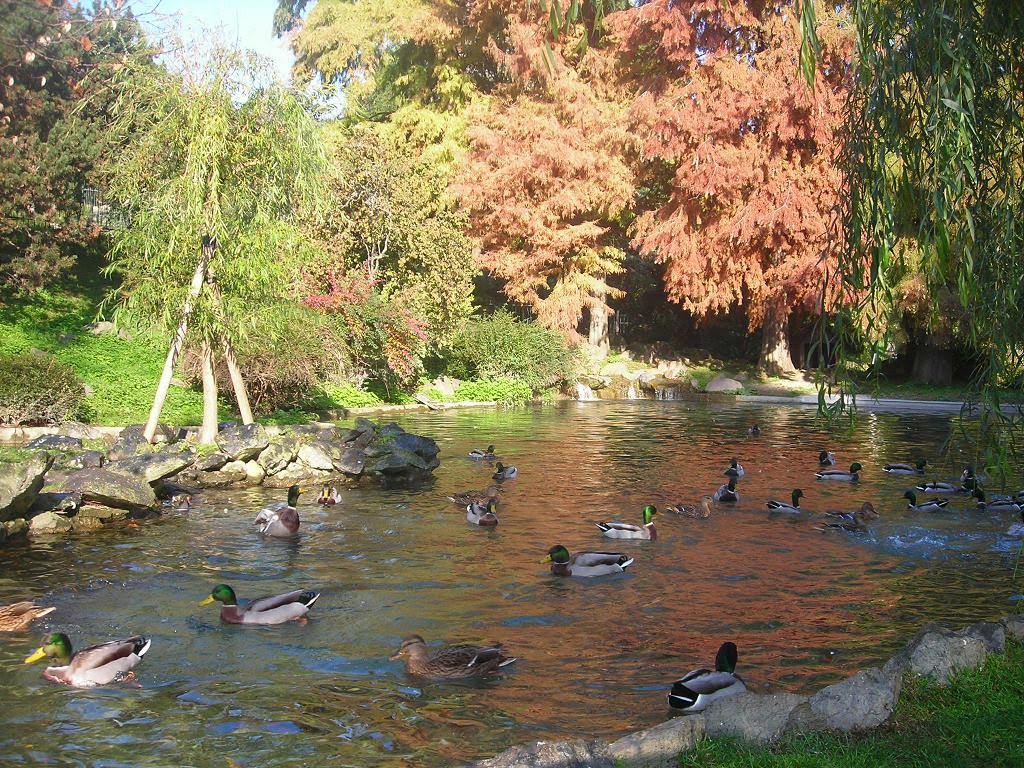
point(207, 601)
point(547, 559)
point(395, 656)
point(39, 654)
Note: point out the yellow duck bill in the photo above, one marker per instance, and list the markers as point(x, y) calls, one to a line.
point(39, 654)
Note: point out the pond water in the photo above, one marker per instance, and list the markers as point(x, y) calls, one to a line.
point(596, 656)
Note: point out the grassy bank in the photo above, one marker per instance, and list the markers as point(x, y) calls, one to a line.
point(976, 721)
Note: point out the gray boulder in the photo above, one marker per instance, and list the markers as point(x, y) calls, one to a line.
point(316, 455)
point(254, 473)
point(723, 384)
point(110, 489)
point(352, 462)
point(937, 653)
point(56, 442)
point(92, 516)
point(84, 460)
point(48, 522)
point(1013, 626)
point(424, 447)
point(242, 443)
point(211, 462)
point(659, 747)
point(858, 703)
point(278, 455)
point(63, 503)
point(400, 462)
point(154, 466)
point(753, 717)
point(131, 441)
point(552, 754)
point(295, 474)
point(364, 426)
point(20, 483)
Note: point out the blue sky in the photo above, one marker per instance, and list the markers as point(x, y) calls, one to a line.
point(246, 23)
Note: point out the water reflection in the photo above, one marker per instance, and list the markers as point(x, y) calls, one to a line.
point(596, 656)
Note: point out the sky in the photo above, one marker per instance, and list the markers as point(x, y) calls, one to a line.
point(247, 23)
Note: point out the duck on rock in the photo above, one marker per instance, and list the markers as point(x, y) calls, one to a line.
point(841, 474)
point(291, 606)
point(628, 531)
point(281, 519)
point(452, 662)
point(96, 665)
point(697, 689)
point(586, 564)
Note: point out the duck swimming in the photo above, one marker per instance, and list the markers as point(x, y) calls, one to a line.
point(586, 564)
point(329, 496)
point(906, 469)
point(18, 616)
point(482, 514)
point(996, 505)
point(281, 519)
point(826, 459)
point(841, 474)
point(505, 473)
point(735, 469)
point(727, 492)
point(95, 665)
point(855, 522)
point(278, 609)
point(452, 662)
point(465, 498)
point(793, 508)
point(943, 488)
point(697, 689)
point(628, 531)
point(702, 510)
point(482, 454)
point(934, 505)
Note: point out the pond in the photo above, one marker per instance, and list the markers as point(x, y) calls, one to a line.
point(596, 656)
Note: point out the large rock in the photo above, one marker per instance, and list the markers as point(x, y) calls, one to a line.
point(111, 489)
point(723, 384)
point(937, 653)
point(131, 441)
point(20, 483)
point(658, 747)
point(242, 443)
point(254, 473)
point(83, 460)
point(48, 522)
point(154, 466)
point(858, 703)
point(92, 516)
point(295, 474)
point(400, 462)
point(56, 442)
point(61, 502)
point(211, 462)
point(316, 455)
point(352, 462)
point(424, 447)
point(13, 529)
point(278, 455)
point(552, 754)
point(1013, 626)
point(753, 717)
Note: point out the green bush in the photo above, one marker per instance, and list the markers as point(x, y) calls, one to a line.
point(38, 389)
point(503, 347)
point(330, 394)
point(500, 390)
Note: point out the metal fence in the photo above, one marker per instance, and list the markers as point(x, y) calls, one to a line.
point(98, 211)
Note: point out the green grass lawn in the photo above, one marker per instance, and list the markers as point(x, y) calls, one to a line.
point(976, 721)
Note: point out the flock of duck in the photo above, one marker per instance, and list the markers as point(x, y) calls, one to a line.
point(112, 661)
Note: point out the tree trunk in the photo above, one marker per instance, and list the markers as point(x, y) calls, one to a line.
point(179, 339)
point(237, 383)
point(208, 432)
point(775, 356)
point(933, 365)
point(599, 327)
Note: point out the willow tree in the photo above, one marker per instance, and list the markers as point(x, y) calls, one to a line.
point(218, 161)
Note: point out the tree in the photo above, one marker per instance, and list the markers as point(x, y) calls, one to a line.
point(750, 149)
point(216, 167)
point(53, 59)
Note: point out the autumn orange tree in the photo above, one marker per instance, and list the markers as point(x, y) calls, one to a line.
point(744, 150)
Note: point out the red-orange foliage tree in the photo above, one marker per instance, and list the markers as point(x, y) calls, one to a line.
point(546, 181)
point(724, 113)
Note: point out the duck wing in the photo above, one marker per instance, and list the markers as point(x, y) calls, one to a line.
point(704, 685)
point(279, 608)
point(104, 663)
point(619, 527)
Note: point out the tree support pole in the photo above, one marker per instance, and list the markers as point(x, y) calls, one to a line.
point(234, 373)
point(208, 432)
point(209, 244)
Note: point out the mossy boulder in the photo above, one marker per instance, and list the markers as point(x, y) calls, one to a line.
point(20, 483)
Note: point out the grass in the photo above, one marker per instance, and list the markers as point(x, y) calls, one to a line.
point(978, 720)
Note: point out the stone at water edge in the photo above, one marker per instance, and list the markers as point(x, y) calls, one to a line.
point(1013, 626)
point(723, 384)
point(659, 747)
point(48, 522)
point(111, 489)
point(352, 462)
point(937, 653)
point(131, 441)
point(316, 456)
point(278, 455)
point(753, 717)
point(858, 703)
point(20, 483)
point(211, 462)
point(242, 443)
point(56, 442)
point(254, 473)
point(552, 754)
point(154, 466)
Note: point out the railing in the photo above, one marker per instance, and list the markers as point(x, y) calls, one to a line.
point(99, 212)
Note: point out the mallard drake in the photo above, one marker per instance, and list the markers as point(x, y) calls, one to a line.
point(727, 492)
point(179, 502)
point(934, 505)
point(505, 473)
point(702, 510)
point(482, 514)
point(452, 662)
point(628, 531)
point(793, 508)
point(942, 488)
point(586, 564)
point(855, 522)
point(482, 454)
point(96, 665)
point(996, 505)
point(290, 606)
point(841, 474)
point(906, 469)
point(697, 689)
point(735, 469)
point(465, 498)
point(281, 519)
point(826, 459)
point(16, 617)
point(329, 496)
point(969, 474)
point(754, 430)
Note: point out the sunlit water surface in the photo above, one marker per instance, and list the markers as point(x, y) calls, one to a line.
point(596, 656)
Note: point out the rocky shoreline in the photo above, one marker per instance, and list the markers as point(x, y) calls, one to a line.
point(859, 703)
point(60, 485)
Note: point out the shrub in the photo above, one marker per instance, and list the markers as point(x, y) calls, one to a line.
point(502, 347)
point(38, 389)
point(334, 395)
point(500, 390)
